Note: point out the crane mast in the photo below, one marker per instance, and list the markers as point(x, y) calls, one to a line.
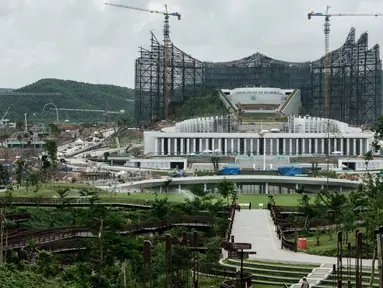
point(166, 48)
point(326, 63)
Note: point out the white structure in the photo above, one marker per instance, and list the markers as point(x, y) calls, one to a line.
point(206, 125)
point(311, 137)
point(257, 95)
point(307, 124)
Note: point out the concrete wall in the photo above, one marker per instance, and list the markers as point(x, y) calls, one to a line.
point(294, 105)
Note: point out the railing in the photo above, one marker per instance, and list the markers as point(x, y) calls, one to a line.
point(21, 238)
point(19, 201)
point(17, 217)
point(239, 281)
point(285, 244)
point(231, 221)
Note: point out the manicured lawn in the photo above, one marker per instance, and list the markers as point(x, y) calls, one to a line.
point(325, 244)
point(50, 190)
point(280, 199)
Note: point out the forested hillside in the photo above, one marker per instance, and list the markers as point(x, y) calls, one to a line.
point(73, 95)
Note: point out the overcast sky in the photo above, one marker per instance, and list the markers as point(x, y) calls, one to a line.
point(86, 41)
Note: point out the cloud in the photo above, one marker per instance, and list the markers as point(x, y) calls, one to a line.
point(85, 40)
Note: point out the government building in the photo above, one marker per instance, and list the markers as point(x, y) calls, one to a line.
point(221, 135)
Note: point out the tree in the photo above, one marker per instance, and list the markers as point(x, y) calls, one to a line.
point(20, 165)
point(198, 190)
point(63, 193)
point(227, 189)
point(34, 178)
point(106, 156)
point(54, 131)
point(51, 149)
point(306, 209)
point(215, 161)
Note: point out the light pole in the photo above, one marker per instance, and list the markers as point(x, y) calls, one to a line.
point(26, 122)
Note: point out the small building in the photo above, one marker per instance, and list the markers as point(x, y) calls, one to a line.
point(93, 176)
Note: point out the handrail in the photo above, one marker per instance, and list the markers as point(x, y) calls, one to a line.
point(238, 281)
point(21, 238)
point(285, 244)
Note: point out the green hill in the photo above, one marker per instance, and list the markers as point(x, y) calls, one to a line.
point(205, 105)
point(74, 94)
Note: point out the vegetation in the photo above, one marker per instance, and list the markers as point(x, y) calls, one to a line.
point(110, 258)
point(208, 104)
point(73, 95)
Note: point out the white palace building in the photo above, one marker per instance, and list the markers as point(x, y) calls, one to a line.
point(302, 135)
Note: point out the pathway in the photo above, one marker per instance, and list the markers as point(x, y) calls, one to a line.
point(256, 227)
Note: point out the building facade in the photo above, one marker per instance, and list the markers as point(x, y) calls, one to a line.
point(308, 135)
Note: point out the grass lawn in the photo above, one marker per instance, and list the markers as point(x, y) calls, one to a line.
point(49, 190)
point(280, 199)
point(325, 244)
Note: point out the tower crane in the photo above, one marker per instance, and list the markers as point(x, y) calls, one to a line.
point(166, 46)
point(327, 16)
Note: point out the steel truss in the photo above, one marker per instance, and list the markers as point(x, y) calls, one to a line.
point(355, 80)
point(355, 83)
point(185, 77)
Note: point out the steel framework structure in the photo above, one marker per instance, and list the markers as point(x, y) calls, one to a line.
point(354, 84)
point(185, 78)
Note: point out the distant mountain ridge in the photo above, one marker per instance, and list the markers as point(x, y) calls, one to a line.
point(74, 95)
point(2, 90)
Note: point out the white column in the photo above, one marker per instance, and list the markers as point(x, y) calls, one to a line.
point(175, 147)
point(316, 146)
point(194, 144)
point(155, 146)
point(277, 149)
point(335, 144)
point(291, 146)
point(200, 145)
point(220, 144)
point(354, 148)
point(188, 145)
point(212, 144)
point(169, 146)
point(303, 145)
point(284, 146)
point(245, 146)
point(207, 144)
point(329, 146)
point(322, 146)
point(271, 146)
point(182, 146)
point(251, 146)
point(297, 146)
point(348, 146)
point(226, 148)
point(266, 188)
point(162, 146)
point(232, 145)
point(310, 148)
point(258, 141)
point(341, 146)
point(361, 152)
point(238, 145)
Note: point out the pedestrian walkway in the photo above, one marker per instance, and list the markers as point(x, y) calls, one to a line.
point(256, 227)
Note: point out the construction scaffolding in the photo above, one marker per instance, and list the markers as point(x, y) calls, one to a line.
point(185, 78)
point(355, 83)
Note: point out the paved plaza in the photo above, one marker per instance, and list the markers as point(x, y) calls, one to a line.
point(256, 227)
